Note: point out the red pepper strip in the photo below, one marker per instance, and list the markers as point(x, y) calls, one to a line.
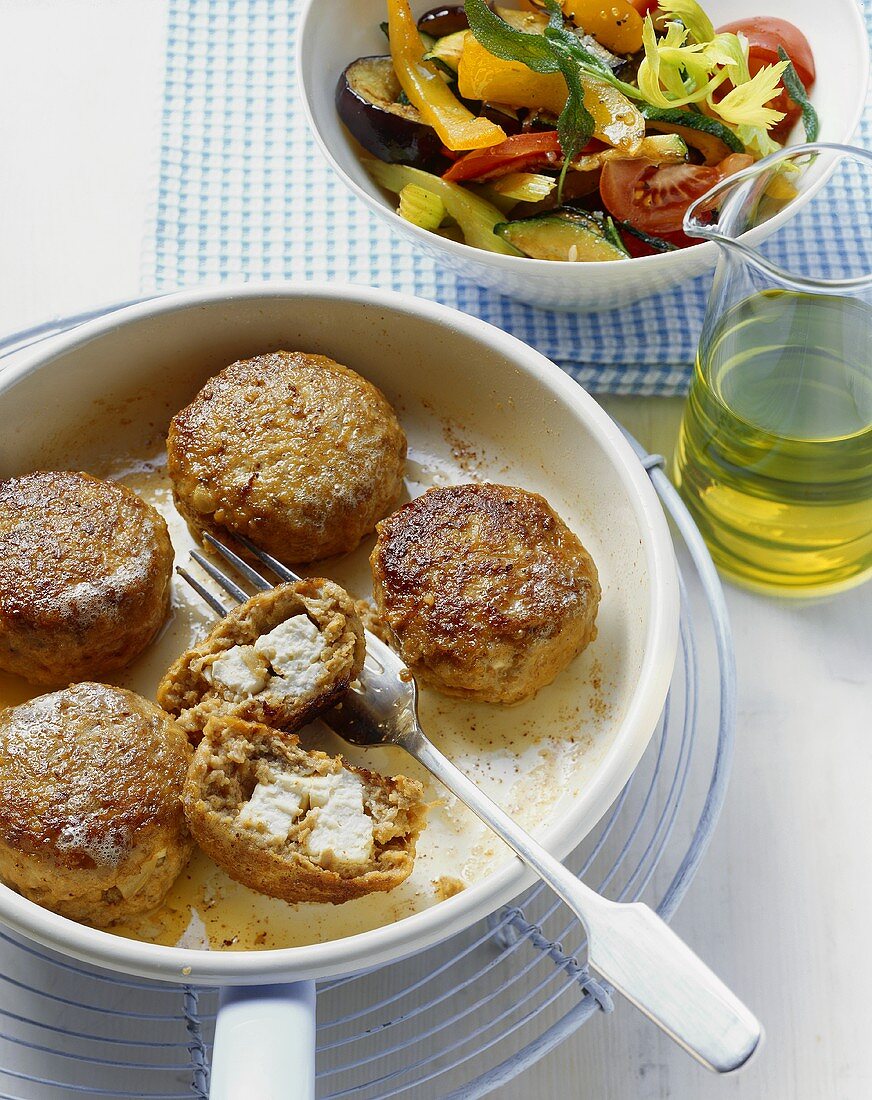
point(521, 152)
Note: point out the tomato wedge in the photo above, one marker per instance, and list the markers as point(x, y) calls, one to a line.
point(519, 153)
point(765, 34)
point(654, 198)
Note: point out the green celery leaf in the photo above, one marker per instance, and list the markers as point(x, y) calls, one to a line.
point(691, 16)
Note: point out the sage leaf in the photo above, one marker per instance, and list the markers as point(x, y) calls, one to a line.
point(508, 43)
point(797, 92)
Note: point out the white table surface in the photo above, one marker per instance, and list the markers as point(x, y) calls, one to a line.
point(781, 905)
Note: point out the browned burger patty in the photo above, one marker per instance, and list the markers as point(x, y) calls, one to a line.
point(300, 826)
point(91, 820)
point(486, 591)
point(295, 451)
point(85, 570)
point(280, 658)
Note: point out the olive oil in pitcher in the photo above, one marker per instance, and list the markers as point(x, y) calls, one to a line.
point(774, 458)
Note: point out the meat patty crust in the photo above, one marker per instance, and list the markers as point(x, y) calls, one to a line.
point(487, 593)
point(91, 819)
point(295, 451)
point(85, 569)
point(280, 658)
point(297, 825)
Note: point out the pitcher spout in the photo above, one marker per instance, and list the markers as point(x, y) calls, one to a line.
point(735, 211)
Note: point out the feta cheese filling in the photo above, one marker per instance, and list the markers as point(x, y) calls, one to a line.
point(294, 650)
point(287, 660)
point(341, 826)
point(274, 806)
point(341, 831)
point(240, 669)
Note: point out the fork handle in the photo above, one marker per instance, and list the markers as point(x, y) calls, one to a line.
point(628, 944)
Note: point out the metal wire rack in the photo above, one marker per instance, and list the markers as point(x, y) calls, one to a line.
point(483, 1006)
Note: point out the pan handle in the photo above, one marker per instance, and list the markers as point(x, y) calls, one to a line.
point(265, 1043)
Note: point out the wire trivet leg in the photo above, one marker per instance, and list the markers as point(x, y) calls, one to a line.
point(196, 1045)
point(590, 985)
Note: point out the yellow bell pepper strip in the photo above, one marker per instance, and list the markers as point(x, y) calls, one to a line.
point(422, 82)
point(483, 76)
point(615, 24)
point(616, 120)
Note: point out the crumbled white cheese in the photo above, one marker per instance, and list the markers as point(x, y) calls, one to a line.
point(341, 826)
point(341, 829)
point(274, 806)
point(294, 649)
point(239, 669)
point(286, 660)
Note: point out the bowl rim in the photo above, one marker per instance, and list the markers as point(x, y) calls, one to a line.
point(366, 950)
point(462, 253)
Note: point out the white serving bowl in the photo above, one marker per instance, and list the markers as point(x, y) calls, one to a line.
point(113, 384)
point(334, 34)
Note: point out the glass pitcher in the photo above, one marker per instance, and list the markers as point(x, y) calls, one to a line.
point(774, 457)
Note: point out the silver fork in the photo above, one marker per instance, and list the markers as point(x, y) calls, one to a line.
point(628, 944)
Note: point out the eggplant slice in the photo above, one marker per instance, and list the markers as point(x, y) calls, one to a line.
point(443, 20)
point(367, 101)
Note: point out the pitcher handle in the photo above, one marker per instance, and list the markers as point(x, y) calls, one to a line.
point(265, 1043)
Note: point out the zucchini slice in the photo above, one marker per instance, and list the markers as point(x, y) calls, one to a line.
point(712, 138)
point(668, 148)
point(559, 237)
point(447, 51)
point(596, 221)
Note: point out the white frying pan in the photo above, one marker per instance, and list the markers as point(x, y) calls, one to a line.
point(475, 403)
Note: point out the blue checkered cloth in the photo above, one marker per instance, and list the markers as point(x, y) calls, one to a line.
point(243, 193)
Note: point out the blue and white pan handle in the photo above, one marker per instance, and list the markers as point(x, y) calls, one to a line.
point(265, 1043)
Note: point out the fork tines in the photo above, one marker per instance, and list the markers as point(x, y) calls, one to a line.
point(242, 567)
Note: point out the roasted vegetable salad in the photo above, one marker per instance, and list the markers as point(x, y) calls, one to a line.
point(577, 132)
